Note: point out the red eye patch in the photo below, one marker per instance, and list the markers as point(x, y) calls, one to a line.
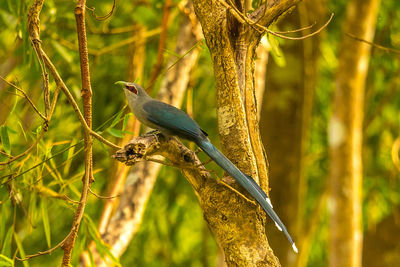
point(132, 89)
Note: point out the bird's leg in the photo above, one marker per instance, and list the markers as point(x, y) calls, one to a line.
point(234, 190)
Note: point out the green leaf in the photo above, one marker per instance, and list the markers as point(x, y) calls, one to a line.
point(11, 131)
point(69, 156)
point(6, 250)
point(22, 129)
point(38, 130)
point(5, 140)
point(103, 147)
point(15, 102)
point(11, 6)
point(101, 247)
point(46, 223)
point(126, 120)
point(5, 261)
point(32, 211)
point(276, 51)
point(20, 249)
point(115, 132)
point(5, 213)
point(116, 119)
point(63, 51)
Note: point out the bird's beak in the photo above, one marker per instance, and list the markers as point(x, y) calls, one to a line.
point(122, 83)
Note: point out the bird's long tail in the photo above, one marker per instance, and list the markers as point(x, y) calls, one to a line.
point(247, 182)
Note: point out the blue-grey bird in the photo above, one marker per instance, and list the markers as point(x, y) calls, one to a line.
point(172, 121)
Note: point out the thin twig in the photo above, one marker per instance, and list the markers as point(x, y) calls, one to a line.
point(102, 197)
point(73, 103)
point(26, 97)
point(237, 192)
point(26, 151)
point(387, 49)
point(100, 18)
point(177, 60)
point(45, 75)
point(110, 48)
point(40, 253)
point(298, 30)
point(242, 18)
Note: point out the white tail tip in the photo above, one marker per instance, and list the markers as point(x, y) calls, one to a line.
point(277, 226)
point(295, 248)
point(269, 202)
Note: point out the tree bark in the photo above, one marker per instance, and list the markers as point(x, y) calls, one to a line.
point(238, 227)
point(345, 135)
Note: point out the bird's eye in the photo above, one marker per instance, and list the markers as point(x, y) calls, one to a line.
point(132, 89)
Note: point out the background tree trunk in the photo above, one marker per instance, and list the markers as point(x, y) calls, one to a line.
point(381, 242)
point(142, 177)
point(345, 135)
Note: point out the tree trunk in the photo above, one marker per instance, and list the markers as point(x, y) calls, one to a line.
point(345, 135)
point(238, 226)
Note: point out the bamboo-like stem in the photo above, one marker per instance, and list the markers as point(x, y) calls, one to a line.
point(87, 111)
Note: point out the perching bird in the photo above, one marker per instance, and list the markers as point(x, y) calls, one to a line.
point(172, 121)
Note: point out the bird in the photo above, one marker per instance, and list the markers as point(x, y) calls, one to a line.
point(172, 121)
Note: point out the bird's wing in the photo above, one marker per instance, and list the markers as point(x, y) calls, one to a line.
point(174, 120)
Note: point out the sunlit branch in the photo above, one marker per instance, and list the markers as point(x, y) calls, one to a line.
point(384, 48)
point(242, 18)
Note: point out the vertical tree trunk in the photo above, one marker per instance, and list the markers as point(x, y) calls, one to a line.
point(238, 227)
point(345, 135)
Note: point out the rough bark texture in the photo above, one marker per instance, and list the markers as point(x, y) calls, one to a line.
point(141, 178)
point(345, 135)
point(239, 228)
point(284, 126)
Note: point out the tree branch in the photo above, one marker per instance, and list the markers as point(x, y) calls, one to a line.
point(87, 111)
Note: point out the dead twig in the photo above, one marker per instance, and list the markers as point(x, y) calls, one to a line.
point(100, 18)
point(381, 47)
point(102, 197)
point(242, 18)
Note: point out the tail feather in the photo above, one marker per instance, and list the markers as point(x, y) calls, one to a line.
point(247, 182)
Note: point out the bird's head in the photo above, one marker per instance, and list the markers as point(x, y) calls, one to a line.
point(132, 90)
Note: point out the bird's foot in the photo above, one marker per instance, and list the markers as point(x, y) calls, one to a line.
point(237, 192)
